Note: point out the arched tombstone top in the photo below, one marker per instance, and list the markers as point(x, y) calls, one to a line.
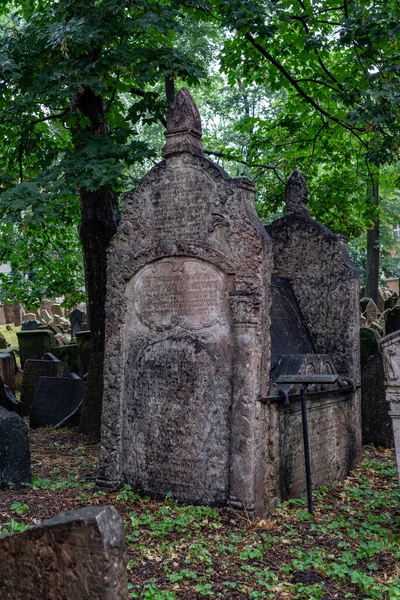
point(296, 195)
point(183, 126)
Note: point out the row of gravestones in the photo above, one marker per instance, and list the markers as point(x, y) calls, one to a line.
point(384, 318)
point(49, 398)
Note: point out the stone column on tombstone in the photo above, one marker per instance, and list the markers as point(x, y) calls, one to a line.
point(391, 354)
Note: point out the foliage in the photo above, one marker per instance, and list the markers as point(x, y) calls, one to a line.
point(350, 549)
point(65, 66)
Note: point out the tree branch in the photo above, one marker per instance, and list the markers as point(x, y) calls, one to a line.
point(300, 91)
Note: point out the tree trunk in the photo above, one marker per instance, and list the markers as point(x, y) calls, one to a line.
point(99, 221)
point(372, 275)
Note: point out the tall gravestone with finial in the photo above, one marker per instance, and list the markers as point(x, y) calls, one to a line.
point(315, 263)
point(187, 333)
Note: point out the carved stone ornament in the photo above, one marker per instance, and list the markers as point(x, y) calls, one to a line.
point(296, 195)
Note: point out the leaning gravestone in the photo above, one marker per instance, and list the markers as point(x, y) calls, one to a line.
point(8, 400)
point(33, 371)
point(187, 350)
point(79, 555)
point(391, 354)
point(55, 399)
point(15, 458)
point(33, 344)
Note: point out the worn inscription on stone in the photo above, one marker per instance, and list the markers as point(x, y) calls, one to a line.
point(169, 216)
point(180, 291)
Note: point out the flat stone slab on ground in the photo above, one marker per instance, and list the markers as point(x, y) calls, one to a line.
point(79, 555)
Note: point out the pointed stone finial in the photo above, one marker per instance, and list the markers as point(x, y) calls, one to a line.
point(183, 126)
point(296, 195)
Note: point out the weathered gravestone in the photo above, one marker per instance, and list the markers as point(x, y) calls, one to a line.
point(76, 318)
point(84, 343)
point(315, 309)
point(31, 325)
point(391, 355)
point(33, 344)
point(3, 342)
point(33, 371)
point(7, 370)
point(393, 320)
point(9, 313)
point(376, 422)
point(55, 399)
point(187, 350)
point(79, 555)
point(15, 458)
point(90, 422)
point(8, 400)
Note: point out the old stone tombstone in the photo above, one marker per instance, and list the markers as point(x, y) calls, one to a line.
point(55, 399)
point(33, 344)
point(7, 370)
point(56, 309)
point(393, 320)
point(3, 342)
point(391, 354)
point(78, 555)
point(376, 422)
point(15, 459)
point(90, 421)
point(315, 312)
point(2, 315)
point(31, 325)
point(9, 313)
point(84, 343)
point(33, 371)
point(188, 275)
point(77, 317)
point(371, 312)
point(8, 400)
point(69, 356)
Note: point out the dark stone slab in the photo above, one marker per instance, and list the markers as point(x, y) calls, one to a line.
point(15, 458)
point(7, 370)
point(393, 320)
point(91, 412)
point(76, 318)
point(79, 555)
point(3, 342)
point(376, 423)
point(33, 344)
point(33, 370)
point(84, 342)
point(69, 356)
point(55, 398)
point(369, 344)
point(7, 398)
point(31, 325)
point(289, 335)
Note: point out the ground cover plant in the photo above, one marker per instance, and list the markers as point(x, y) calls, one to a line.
point(349, 550)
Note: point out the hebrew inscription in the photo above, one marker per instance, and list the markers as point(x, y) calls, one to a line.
point(180, 291)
